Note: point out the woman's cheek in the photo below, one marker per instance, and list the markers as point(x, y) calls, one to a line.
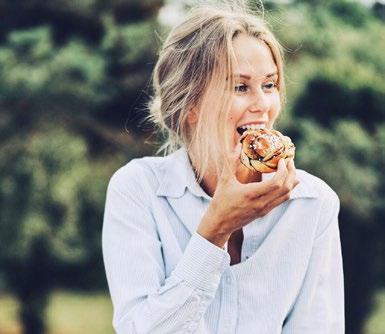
point(273, 115)
point(238, 107)
point(274, 110)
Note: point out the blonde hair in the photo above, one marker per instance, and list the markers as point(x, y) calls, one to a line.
point(195, 71)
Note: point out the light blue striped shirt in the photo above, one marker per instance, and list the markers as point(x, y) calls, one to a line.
point(165, 278)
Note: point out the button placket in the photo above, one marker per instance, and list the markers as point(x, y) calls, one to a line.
point(229, 309)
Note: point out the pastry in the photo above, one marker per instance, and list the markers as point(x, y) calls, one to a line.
point(263, 148)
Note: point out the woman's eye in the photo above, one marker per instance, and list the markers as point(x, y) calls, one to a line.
point(270, 85)
point(241, 88)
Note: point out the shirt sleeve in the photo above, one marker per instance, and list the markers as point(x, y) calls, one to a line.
point(144, 300)
point(319, 307)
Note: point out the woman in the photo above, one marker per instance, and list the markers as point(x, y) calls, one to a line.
point(194, 242)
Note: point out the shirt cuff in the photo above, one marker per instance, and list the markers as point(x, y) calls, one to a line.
point(202, 264)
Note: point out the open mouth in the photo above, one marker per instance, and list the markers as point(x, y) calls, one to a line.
point(243, 128)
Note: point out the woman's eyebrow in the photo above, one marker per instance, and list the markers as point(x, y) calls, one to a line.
point(248, 77)
point(271, 74)
point(245, 76)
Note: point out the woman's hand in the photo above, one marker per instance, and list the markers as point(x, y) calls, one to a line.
point(234, 204)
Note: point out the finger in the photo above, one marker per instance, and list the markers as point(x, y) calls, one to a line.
point(271, 204)
point(278, 180)
point(282, 171)
point(290, 165)
point(273, 199)
point(289, 183)
point(271, 196)
point(293, 170)
point(283, 184)
point(255, 190)
point(271, 186)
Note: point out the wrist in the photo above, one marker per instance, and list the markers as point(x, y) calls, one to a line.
point(213, 232)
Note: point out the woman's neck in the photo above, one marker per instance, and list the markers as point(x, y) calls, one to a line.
point(210, 179)
point(209, 184)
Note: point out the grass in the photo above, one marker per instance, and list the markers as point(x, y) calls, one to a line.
point(68, 313)
point(8, 314)
point(82, 313)
point(376, 322)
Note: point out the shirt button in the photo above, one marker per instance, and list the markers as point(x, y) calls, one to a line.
point(228, 279)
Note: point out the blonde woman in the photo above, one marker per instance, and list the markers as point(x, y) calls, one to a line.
point(194, 242)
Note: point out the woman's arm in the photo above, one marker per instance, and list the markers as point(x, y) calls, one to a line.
point(144, 300)
point(319, 307)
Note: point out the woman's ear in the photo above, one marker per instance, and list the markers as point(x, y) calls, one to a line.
point(192, 116)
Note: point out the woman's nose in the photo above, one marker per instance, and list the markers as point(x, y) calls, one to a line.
point(259, 103)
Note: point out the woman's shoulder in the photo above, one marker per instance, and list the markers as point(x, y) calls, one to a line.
point(142, 174)
point(138, 167)
point(327, 203)
point(316, 186)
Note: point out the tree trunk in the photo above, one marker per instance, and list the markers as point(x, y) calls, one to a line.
point(32, 314)
point(31, 285)
point(358, 252)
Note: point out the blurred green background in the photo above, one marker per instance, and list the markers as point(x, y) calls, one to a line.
point(74, 82)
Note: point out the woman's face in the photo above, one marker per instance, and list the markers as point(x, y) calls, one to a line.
point(256, 100)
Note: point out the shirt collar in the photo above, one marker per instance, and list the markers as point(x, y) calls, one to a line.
point(305, 188)
point(177, 175)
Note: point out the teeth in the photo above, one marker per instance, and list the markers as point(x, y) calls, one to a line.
point(253, 127)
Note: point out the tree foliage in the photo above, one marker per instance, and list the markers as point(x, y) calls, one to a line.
point(70, 75)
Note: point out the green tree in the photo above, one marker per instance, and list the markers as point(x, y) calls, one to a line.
point(72, 74)
point(44, 224)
